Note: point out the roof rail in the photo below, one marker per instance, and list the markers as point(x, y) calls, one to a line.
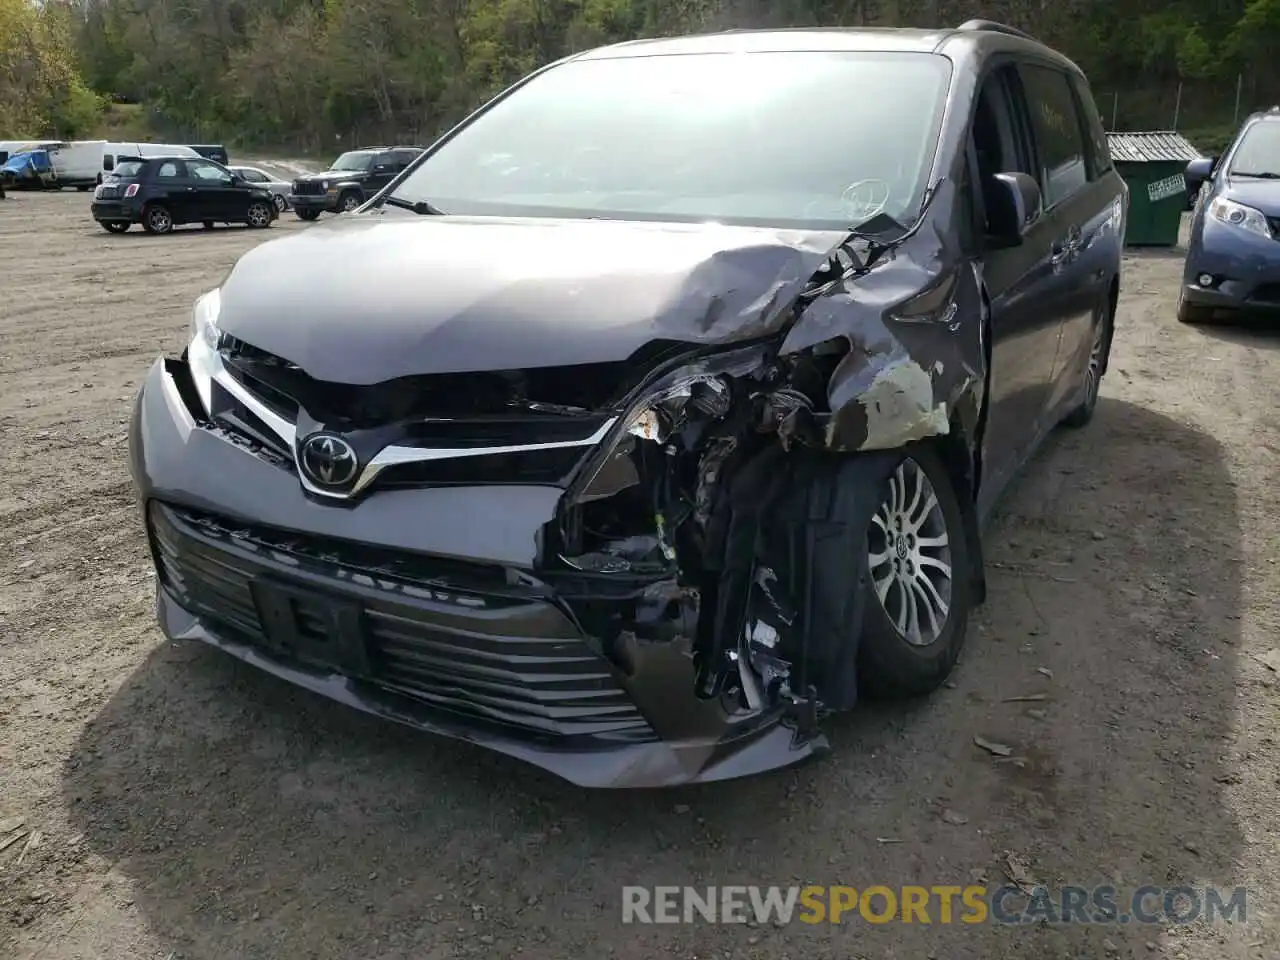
point(991, 26)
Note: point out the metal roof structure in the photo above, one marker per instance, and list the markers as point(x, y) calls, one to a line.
point(1153, 146)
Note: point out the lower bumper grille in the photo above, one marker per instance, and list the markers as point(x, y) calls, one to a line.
point(450, 636)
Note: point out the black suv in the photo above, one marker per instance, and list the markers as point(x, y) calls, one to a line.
point(352, 179)
point(163, 192)
point(655, 411)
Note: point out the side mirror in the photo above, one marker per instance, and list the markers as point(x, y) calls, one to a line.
point(1013, 204)
point(1199, 170)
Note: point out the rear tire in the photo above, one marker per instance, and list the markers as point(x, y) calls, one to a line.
point(207, 224)
point(83, 188)
point(157, 219)
point(307, 214)
point(1099, 352)
point(281, 203)
point(917, 599)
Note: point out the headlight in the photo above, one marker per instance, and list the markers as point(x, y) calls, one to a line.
point(1238, 215)
point(324, 184)
point(206, 337)
point(658, 411)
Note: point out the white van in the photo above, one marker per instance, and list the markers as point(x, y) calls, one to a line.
point(113, 153)
point(78, 163)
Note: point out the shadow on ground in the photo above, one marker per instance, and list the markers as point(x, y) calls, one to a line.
point(255, 820)
point(1260, 331)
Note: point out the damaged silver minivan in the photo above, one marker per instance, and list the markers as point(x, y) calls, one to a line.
point(654, 412)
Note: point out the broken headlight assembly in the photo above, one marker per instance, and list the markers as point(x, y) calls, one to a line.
point(206, 338)
point(652, 474)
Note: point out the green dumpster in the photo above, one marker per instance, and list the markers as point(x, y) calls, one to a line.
point(1152, 163)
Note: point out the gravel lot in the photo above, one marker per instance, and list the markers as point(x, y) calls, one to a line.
point(188, 807)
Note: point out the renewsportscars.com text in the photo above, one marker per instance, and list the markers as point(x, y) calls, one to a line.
point(940, 904)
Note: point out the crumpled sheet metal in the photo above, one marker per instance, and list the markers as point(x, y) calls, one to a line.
point(459, 294)
point(902, 379)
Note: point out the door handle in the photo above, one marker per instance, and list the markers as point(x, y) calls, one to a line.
point(1068, 248)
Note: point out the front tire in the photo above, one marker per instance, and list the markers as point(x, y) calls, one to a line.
point(114, 226)
point(259, 215)
point(307, 214)
point(157, 219)
point(918, 581)
point(349, 202)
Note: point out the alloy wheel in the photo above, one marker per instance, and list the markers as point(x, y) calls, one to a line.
point(909, 556)
point(350, 202)
point(1097, 354)
point(159, 220)
point(259, 215)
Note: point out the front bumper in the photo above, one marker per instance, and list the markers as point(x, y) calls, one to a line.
point(420, 606)
point(319, 203)
point(1245, 268)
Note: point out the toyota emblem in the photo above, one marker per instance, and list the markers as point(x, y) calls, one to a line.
point(328, 461)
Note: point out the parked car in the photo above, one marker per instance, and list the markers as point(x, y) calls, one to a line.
point(280, 189)
point(29, 169)
point(114, 153)
point(1233, 261)
point(77, 163)
point(635, 453)
point(164, 192)
point(352, 179)
point(212, 151)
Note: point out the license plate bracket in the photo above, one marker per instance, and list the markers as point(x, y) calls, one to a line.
point(312, 626)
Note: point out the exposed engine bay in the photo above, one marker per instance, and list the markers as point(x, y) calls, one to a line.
point(692, 509)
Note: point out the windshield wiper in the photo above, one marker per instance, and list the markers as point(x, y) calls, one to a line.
point(1256, 175)
point(420, 207)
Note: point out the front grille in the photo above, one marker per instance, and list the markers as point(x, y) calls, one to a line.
point(308, 188)
point(444, 633)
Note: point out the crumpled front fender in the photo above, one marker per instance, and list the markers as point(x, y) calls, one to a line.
point(915, 359)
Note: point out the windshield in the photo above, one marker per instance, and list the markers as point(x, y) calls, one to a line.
point(355, 160)
point(1259, 151)
point(814, 139)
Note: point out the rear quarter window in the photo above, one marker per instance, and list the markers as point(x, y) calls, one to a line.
point(127, 169)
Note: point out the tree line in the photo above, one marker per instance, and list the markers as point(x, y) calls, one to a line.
point(315, 74)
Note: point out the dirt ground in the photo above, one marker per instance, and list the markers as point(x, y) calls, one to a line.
point(188, 807)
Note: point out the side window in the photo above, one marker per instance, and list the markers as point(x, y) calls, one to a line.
point(405, 157)
point(208, 171)
point(1099, 153)
point(169, 170)
point(1000, 140)
point(384, 162)
point(1056, 125)
point(253, 176)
